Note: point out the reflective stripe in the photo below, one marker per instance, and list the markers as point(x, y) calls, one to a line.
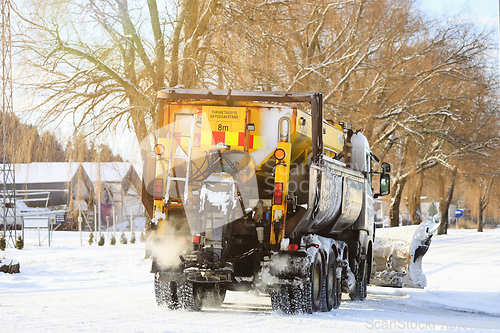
point(218, 137)
point(234, 139)
point(184, 141)
point(259, 142)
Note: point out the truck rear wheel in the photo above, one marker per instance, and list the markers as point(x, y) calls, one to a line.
point(359, 292)
point(215, 296)
point(297, 296)
point(166, 293)
point(190, 296)
point(280, 299)
point(160, 292)
point(333, 283)
point(290, 299)
point(313, 290)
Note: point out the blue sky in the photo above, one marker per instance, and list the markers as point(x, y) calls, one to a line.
point(483, 12)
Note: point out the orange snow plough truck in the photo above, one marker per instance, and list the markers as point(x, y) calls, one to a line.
point(246, 191)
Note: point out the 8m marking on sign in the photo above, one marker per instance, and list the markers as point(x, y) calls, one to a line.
point(222, 128)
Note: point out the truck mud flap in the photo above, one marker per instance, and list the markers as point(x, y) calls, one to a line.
point(286, 267)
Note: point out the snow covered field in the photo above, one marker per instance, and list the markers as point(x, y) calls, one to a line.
point(70, 287)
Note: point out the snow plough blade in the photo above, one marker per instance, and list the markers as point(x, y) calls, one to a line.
point(398, 254)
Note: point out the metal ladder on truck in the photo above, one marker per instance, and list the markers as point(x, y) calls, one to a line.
point(173, 156)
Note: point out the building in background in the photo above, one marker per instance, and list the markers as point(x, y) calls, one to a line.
point(81, 188)
point(120, 186)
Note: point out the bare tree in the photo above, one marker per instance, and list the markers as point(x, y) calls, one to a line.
point(484, 199)
point(96, 64)
point(445, 202)
point(414, 193)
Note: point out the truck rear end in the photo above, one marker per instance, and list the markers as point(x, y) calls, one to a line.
point(247, 192)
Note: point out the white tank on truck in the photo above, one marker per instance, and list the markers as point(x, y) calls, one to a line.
point(248, 192)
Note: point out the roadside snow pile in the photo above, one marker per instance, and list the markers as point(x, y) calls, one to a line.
point(9, 266)
point(463, 272)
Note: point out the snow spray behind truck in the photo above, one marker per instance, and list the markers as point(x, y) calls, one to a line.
point(247, 192)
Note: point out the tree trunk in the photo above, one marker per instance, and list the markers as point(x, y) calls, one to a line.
point(394, 206)
point(414, 201)
point(445, 204)
point(176, 41)
point(483, 203)
point(196, 26)
point(480, 216)
point(159, 80)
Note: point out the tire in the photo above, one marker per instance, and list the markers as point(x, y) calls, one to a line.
point(359, 293)
point(275, 300)
point(166, 293)
point(324, 306)
point(172, 301)
point(190, 296)
point(289, 299)
point(315, 286)
point(280, 300)
point(303, 298)
point(297, 297)
point(214, 296)
point(160, 291)
point(333, 287)
point(306, 299)
point(369, 262)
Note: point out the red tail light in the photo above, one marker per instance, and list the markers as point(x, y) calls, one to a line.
point(158, 189)
point(278, 193)
point(196, 239)
point(293, 247)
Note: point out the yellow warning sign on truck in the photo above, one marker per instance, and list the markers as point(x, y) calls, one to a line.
point(223, 124)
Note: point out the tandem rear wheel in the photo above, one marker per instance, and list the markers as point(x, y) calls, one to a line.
point(360, 289)
point(321, 293)
point(188, 295)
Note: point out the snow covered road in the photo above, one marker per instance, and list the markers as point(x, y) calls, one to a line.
point(70, 287)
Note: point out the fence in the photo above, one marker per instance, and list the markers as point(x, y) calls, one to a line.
point(37, 222)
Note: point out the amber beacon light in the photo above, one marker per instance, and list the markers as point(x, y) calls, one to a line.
point(279, 154)
point(159, 149)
